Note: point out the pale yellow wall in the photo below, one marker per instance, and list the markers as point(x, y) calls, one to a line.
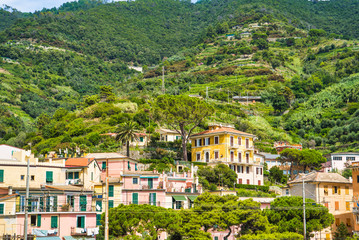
point(12, 175)
point(86, 175)
point(8, 220)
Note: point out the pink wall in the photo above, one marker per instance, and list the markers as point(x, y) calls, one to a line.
point(115, 167)
point(66, 220)
point(142, 182)
point(144, 196)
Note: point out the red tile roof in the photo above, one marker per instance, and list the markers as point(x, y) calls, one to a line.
point(222, 129)
point(78, 162)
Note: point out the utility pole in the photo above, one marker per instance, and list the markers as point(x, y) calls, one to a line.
point(27, 154)
point(106, 203)
point(304, 221)
point(163, 80)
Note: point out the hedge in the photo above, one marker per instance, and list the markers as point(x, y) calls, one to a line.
point(247, 186)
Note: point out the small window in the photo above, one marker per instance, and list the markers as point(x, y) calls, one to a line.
point(22, 177)
point(32, 177)
point(239, 157)
point(239, 141)
point(216, 140)
point(231, 141)
point(76, 175)
point(98, 219)
point(207, 141)
point(110, 204)
point(348, 222)
point(216, 155)
point(49, 178)
point(33, 220)
point(326, 190)
point(248, 182)
point(247, 169)
point(287, 192)
point(111, 190)
point(80, 222)
point(198, 156)
point(135, 180)
point(141, 139)
point(103, 165)
point(1, 175)
point(347, 206)
point(350, 158)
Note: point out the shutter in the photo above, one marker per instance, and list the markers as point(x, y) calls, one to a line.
point(339, 190)
point(76, 175)
point(103, 165)
point(70, 175)
point(83, 203)
point(209, 141)
point(128, 165)
point(333, 190)
point(53, 221)
point(38, 220)
point(111, 191)
point(110, 204)
point(200, 142)
point(98, 219)
point(47, 204)
point(49, 176)
point(135, 166)
point(195, 144)
point(134, 198)
point(41, 204)
point(55, 203)
point(2, 208)
point(98, 206)
point(82, 219)
point(154, 199)
point(1, 175)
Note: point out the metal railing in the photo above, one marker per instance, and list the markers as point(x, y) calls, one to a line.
point(52, 208)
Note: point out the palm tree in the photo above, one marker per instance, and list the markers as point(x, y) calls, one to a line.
point(127, 133)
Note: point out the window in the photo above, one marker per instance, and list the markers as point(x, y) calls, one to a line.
point(49, 178)
point(80, 222)
point(53, 221)
point(1, 175)
point(285, 172)
point(134, 180)
point(91, 176)
point(240, 180)
point(178, 137)
point(207, 141)
point(248, 181)
point(150, 183)
point(357, 219)
point(326, 205)
point(239, 157)
point(128, 165)
point(335, 190)
point(76, 175)
point(259, 182)
point(32, 177)
point(247, 169)
point(83, 203)
point(350, 158)
point(347, 206)
point(232, 156)
point(33, 220)
point(238, 169)
point(103, 165)
point(231, 141)
point(22, 177)
point(326, 190)
point(198, 142)
point(134, 198)
point(152, 199)
point(346, 190)
point(216, 155)
point(71, 200)
point(357, 178)
point(261, 171)
point(348, 222)
point(99, 206)
point(336, 205)
point(198, 157)
point(98, 219)
point(287, 192)
point(337, 222)
point(70, 175)
point(135, 166)
point(295, 171)
point(111, 190)
point(216, 140)
point(239, 141)
point(141, 139)
point(215, 238)
point(247, 157)
point(110, 204)
point(337, 158)
point(247, 143)
point(207, 156)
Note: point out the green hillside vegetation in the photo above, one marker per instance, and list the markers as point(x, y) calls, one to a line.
point(61, 90)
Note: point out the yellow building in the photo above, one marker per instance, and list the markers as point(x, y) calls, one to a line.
point(225, 144)
point(331, 190)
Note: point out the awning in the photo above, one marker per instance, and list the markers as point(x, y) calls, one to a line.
point(192, 198)
point(149, 177)
point(49, 238)
point(82, 238)
point(179, 198)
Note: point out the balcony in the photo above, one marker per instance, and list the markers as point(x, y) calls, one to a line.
point(75, 231)
point(62, 208)
point(74, 182)
point(355, 210)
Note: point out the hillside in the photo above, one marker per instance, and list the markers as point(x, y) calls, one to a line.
point(60, 88)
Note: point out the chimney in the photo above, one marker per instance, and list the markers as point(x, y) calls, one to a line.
point(10, 190)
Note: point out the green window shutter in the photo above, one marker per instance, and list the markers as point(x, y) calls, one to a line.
point(110, 190)
point(42, 204)
point(128, 165)
point(38, 220)
point(110, 204)
point(98, 219)
point(98, 206)
point(150, 183)
point(103, 165)
point(49, 175)
point(55, 203)
point(83, 203)
point(70, 175)
point(2, 208)
point(81, 222)
point(135, 166)
point(153, 199)
point(76, 175)
point(53, 221)
point(29, 205)
point(134, 198)
point(47, 204)
point(1, 175)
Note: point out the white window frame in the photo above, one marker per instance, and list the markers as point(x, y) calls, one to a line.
point(214, 140)
point(198, 141)
point(84, 218)
point(199, 156)
point(206, 141)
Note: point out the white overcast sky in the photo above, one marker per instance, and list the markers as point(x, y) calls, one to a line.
point(33, 5)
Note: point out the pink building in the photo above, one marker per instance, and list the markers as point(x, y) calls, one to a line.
point(57, 211)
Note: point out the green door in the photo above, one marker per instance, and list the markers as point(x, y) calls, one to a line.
point(134, 198)
point(83, 203)
point(153, 199)
point(81, 221)
point(150, 183)
point(53, 221)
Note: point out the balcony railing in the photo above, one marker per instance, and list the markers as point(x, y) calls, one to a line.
point(87, 231)
point(62, 208)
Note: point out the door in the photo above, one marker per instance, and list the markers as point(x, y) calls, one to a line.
point(207, 156)
point(150, 183)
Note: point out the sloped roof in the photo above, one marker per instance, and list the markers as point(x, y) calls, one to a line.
point(68, 188)
point(78, 162)
point(222, 129)
point(320, 177)
point(106, 155)
point(168, 131)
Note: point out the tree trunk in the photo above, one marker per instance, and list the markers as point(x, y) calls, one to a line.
point(184, 149)
point(230, 232)
point(128, 148)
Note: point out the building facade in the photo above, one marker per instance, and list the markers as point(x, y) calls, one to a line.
point(225, 144)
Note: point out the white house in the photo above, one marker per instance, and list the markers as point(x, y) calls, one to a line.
point(168, 135)
point(342, 160)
